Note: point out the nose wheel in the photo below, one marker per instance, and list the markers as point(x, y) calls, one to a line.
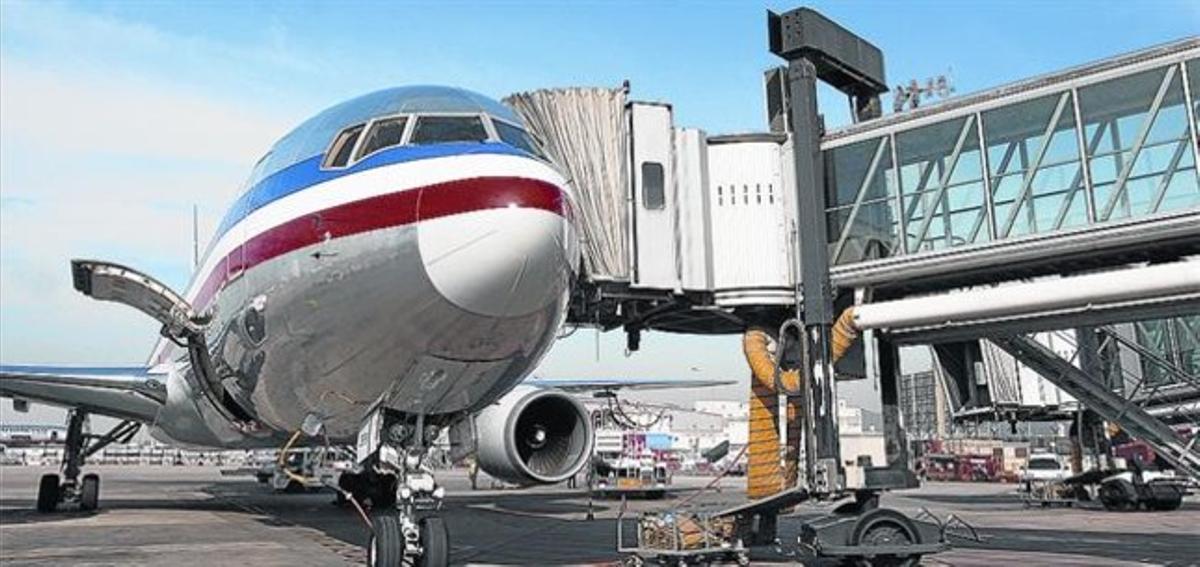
point(392, 543)
point(405, 530)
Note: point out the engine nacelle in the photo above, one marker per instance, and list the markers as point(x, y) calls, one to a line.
point(533, 436)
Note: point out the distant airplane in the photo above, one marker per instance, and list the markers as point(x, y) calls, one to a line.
point(395, 266)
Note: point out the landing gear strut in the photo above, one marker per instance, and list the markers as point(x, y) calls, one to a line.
point(392, 448)
point(79, 446)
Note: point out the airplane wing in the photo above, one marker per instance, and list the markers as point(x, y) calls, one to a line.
point(122, 392)
point(613, 384)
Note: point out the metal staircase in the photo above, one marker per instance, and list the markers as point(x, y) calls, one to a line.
point(1180, 453)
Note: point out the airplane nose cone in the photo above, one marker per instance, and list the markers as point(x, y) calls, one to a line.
point(500, 247)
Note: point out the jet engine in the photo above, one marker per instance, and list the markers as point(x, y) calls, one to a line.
point(533, 436)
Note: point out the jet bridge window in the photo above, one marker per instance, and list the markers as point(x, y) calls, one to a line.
point(653, 195)
point(339, 153)
point(516, 137)
point(443, 129)
point(383, 134)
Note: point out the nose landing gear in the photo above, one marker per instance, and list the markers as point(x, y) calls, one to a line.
point(391, 445)
point(79, 446)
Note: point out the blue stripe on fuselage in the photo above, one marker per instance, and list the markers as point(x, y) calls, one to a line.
point(308, 172)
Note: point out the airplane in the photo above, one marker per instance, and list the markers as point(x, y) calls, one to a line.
point(393, 267)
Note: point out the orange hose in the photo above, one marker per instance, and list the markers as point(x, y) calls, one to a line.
point(843, 334)
point(765, 473)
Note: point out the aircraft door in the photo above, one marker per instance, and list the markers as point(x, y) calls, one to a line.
point(653, 204)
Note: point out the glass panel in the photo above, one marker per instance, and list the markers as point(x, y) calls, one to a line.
point(871, 235)
point(515, 137)
point(384, 134)
point(941, 180)
point(1036, 180)
point(653, 193)
point(339, 152)
point(1187, 333)
point(1193, 69)
point(861, 173)
point(1139, 156)
point(847, 167)
point(1154, 336)
point(1181, 191)
point(443, 129)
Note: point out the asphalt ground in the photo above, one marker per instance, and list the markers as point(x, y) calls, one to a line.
point(197, 516)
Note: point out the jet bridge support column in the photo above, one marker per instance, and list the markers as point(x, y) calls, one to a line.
point(1089, 426)
point(894, 438)
point(817, 48)
point(816, 311)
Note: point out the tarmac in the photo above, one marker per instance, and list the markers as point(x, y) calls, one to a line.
point(152, 515)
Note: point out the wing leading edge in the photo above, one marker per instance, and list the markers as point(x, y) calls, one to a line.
point(122, 392)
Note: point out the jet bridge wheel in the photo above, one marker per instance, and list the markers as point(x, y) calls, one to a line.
point(884, 527)
point(48, 493)
point(89, 492)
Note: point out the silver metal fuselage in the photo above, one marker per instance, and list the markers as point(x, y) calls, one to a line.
point(439, 315)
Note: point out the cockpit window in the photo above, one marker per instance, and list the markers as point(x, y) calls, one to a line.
point(442, 129)
point(516, 137)
point(339, 152)
point(383, 134)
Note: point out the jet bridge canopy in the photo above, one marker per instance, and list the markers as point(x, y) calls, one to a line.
point(1104, 154)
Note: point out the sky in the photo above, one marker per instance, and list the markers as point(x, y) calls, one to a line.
point(117, 118)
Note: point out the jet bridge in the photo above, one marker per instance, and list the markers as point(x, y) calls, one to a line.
point(1086, 169)
point(1081, 183)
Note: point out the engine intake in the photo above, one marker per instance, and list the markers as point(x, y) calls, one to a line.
point(533, 436)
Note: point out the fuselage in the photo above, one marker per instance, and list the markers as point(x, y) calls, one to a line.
point(410, 248)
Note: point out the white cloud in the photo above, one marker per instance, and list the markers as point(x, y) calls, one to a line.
point(106, 161)
point(127, 116)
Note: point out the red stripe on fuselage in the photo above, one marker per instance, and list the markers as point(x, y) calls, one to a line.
point(383, 211)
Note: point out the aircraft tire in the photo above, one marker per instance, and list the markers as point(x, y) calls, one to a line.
point(89, 492)
point(386, 548)
point(435, 542)
point(48, 492)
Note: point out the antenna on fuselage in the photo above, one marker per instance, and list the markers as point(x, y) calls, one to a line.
point(195, 237)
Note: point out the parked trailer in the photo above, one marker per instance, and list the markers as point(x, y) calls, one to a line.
point(1121, 490)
